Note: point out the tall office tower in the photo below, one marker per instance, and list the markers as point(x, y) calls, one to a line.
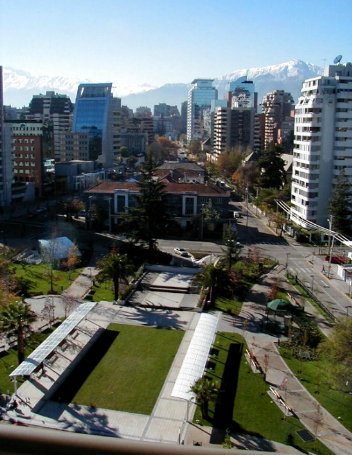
point(184, 117)
point(242, 93)
point(200, 96)
point(277, 107)
point(143, 112)
point(98, 114)
point(232, 128)
point(165, 110)
point(322, 142)
point(55, 111)
point(259, 133)
point(167, 121)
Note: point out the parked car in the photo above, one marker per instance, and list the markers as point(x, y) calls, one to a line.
point(182, 252)
point(336, 259)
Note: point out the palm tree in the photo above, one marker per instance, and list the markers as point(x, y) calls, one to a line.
point(16, 319)
point(214, 278)
point(114, 267)
point(205, 390)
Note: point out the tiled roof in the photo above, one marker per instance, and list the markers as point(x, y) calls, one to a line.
point(199, 188)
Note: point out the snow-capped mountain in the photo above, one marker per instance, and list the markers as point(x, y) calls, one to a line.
point(20, 86)
point(285, 76)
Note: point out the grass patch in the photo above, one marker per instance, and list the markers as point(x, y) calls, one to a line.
point(304, 294)
point(243, 404)
point(230, 306)
point(312, 373)
point(129, 375)
point(8, 360)
point(38, 278)
point(103, 291)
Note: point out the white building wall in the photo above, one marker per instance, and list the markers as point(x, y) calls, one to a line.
point(323, 142)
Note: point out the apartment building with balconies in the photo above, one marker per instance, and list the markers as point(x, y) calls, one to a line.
point(322, 142)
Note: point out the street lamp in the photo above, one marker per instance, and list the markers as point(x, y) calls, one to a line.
point(331, 244)
point(247, 206)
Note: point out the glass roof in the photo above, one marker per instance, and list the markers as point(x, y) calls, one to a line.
point(196, 356)
point(53, 340)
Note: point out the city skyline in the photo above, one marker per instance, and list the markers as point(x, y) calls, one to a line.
point(162, 44)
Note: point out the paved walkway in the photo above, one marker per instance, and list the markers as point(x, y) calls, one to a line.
point(318, 421)
point(167, 420)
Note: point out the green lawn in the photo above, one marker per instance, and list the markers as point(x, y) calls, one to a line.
point(8, 360)
point(39, 281)
point(243, 404)
point(132, 371)
point(312, 373)
point(231, 306)
point(103, 291)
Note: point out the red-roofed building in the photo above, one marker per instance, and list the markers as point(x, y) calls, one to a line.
point(184, 200)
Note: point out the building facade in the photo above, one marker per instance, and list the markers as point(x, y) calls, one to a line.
point(322, 142)
point(25, 142)
point(74, 146)
point(200, 96)
point(55, 112)
point(98, 114)
point(277, 108)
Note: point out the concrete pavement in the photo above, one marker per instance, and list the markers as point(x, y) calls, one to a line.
point(264, 347)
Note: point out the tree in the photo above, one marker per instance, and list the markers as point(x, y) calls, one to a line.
point(146, 220)
point(340, 206)
point(272, 171)
point(338, 354)
point(72, 208)
point(229, 161)
point(246, 176)
point(195, 147)
point(115, 267)
point(16, 319)
point(205, 390)
point(73, 259)
point(233, 248)
point(213, 277)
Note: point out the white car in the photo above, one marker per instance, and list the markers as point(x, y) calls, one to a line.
point(182, 252)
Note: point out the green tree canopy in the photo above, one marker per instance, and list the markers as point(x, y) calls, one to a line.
point(229, 161)
point(272, 172)
point(233, 248)
point(213, 277)
point(338, 354)
point(115, 267)
point(15, 320)
point(147, 219)
point(205, 390)
point(340, 206)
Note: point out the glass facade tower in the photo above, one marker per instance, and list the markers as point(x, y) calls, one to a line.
point(200, 97)
point(242, 92)
point(95, 114)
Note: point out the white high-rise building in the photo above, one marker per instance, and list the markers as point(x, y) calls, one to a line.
point(322, 143)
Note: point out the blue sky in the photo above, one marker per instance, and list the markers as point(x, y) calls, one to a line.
point(160, 41)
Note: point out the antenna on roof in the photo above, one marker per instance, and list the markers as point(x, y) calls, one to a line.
point(337, 59)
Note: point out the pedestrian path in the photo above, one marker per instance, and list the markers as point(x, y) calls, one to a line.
point(167, 420)
point(264, 347)
point(82, 284)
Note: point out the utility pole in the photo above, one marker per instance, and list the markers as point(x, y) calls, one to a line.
point(331, 244)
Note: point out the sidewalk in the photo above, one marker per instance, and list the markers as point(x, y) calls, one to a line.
point(315, 418)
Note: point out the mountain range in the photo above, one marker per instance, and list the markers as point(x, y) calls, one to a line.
point(20, 86)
